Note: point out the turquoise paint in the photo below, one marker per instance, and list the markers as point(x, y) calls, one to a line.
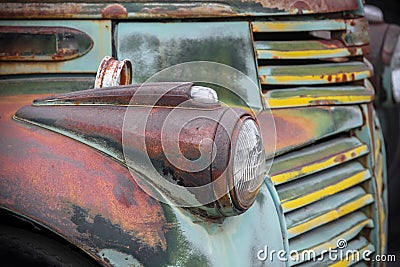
point(237, 241)
point(365, 134)
point(300, 25)
point(153, 47)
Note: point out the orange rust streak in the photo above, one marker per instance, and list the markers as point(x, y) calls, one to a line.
point(291, 130)
point(47, 174)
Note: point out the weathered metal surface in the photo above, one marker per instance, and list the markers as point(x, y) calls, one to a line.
point(325, 238)
point(309, 6)
point(85, 197)
point(92, 201)
point(306, 49)
point(113, 72)
point(323, 185)
point(381, 178)
point(177, 9)
point(314, 74)
point(173, 94)
point(376, 211)
point(316, 187)
point(372, 132)
point(151, 47)
point(42, 43)
point(316, 158)
point(314, 96)
point(299, 25)
point(361, 245)
point(356, 32)
point(326, 210)
point(298, 127)
point(349, 32)
point(99, 32)
point(95, 117)
point(48, 85)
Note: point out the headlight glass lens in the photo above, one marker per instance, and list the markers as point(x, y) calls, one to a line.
point(249, 167)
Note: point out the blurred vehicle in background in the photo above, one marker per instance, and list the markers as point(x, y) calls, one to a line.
point(385, 55)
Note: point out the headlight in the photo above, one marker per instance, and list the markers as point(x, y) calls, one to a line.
point(202, 156)
point(248, 164)
point(245, 164)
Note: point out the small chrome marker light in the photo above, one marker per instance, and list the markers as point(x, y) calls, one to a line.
point(204, 94)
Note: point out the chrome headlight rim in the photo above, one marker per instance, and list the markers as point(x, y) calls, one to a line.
point(243, 195)
point(233, 203)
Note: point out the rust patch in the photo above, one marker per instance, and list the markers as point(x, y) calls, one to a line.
point(100, 126)
point(48, 174)
point(113, 72)
point(300, 7)
point(341, 78)
point(42, 10)
point(333, 43)
point(323, 102)
point(340, 158)
point(177, 9)
point(114, 11)
point(201, 10)
point(308, 6)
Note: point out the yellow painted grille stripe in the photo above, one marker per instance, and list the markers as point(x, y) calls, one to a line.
point(297, 101)
point(310, 79)
point(330, 216)
point(288, 205)
point(319, 53)
point(320, 165)
point(379, 173)
point(349, 234)
point(282, 26)
point(377, 146)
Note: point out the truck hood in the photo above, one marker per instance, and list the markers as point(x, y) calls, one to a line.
point(124, 9)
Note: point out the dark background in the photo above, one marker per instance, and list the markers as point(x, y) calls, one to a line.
point(391, 9)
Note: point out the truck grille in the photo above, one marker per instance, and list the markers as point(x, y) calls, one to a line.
point(325, 195)
point(313, 62)
point(326, 189)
